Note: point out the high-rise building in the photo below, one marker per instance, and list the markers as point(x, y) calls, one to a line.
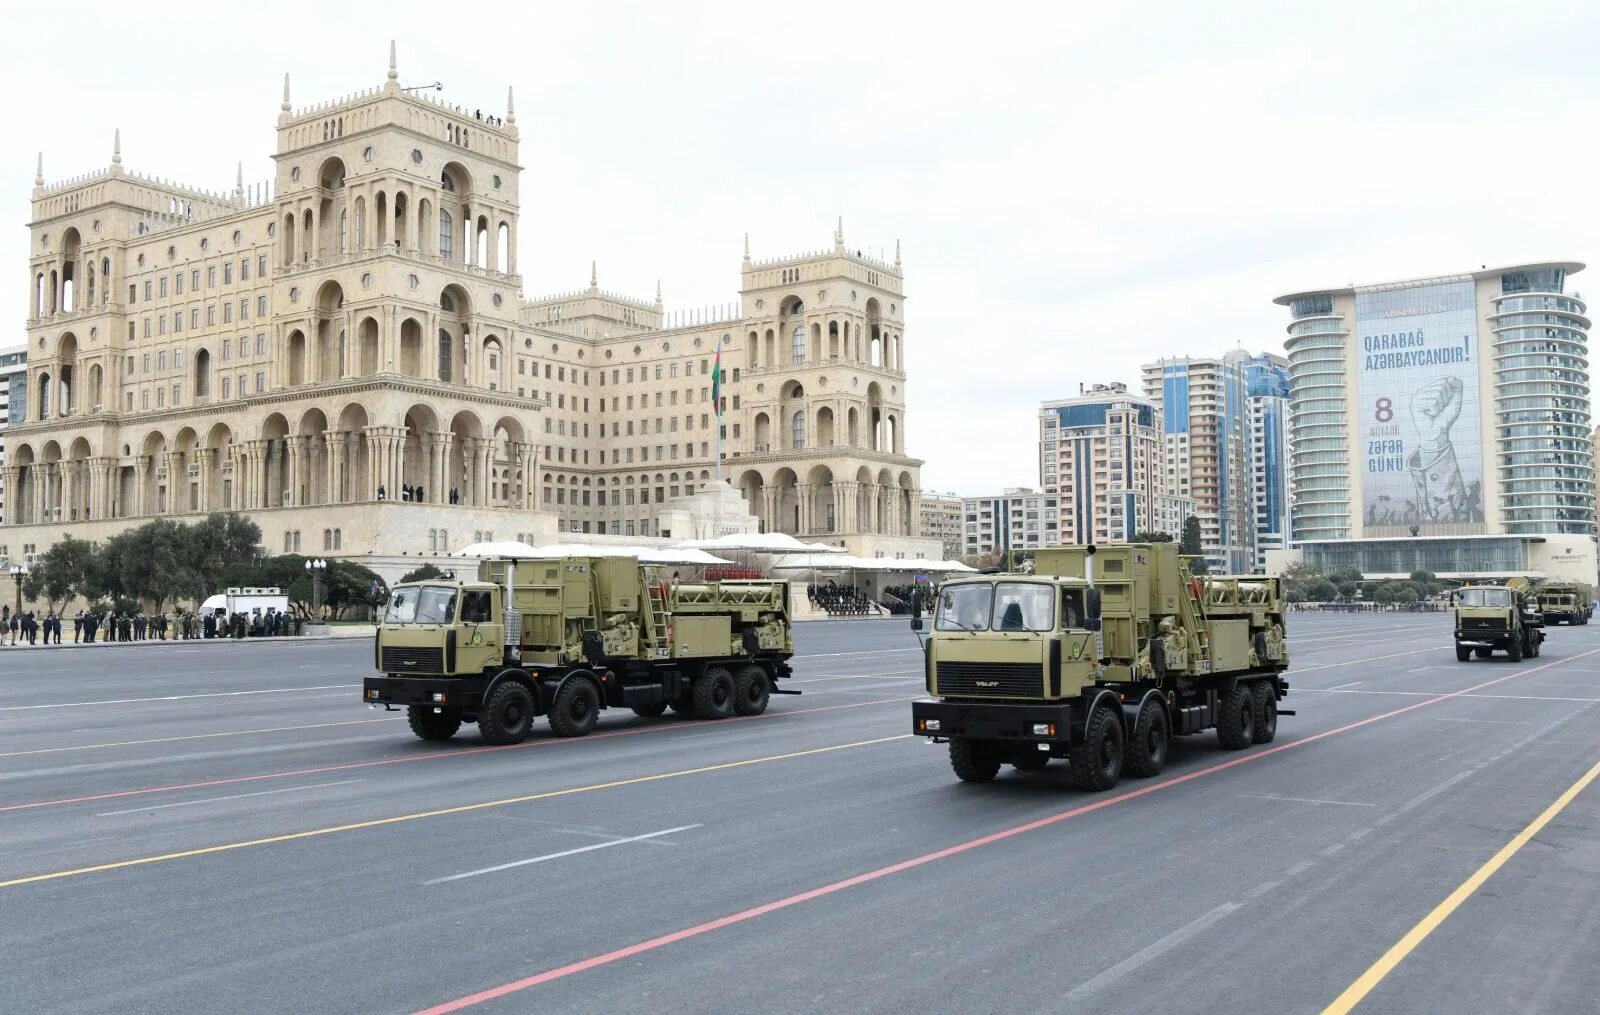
point(1443, 424)
point(346, 354)
point(1100, 460)
point(1017, 519)
point(13, 404)
point(1267, 394)
point(942, 515)
point(1206, 445)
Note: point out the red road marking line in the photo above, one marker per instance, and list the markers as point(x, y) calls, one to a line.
point(433, 756)
point(616, 955)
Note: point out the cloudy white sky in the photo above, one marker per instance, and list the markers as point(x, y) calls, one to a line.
point(1079, 187)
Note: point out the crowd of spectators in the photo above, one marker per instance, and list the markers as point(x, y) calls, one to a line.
point(841, 600)
point(720, 574)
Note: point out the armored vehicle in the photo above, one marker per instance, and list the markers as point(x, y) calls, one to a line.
point(1560, 601)
point(1099, 658)
point(567, 638)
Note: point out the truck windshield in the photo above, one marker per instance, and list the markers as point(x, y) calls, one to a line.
point(964, 607)
point(1006, 606)
point(1497, 598)
point(422, 605)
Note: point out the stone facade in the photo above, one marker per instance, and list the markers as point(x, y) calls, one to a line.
point(357, 326)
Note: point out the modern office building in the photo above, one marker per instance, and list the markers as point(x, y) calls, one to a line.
point(13, 403)
point(1267, 398)
point(1443, 424)
point(942, 518)
point(1018, 519)
point(1100, 461)
point(1206, 450)
point(308, 349)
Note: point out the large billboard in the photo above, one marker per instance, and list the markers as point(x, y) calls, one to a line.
point(1421, 445)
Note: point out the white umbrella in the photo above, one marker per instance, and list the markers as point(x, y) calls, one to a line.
point(506, 550)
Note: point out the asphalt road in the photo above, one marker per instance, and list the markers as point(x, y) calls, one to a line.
point(208, 827)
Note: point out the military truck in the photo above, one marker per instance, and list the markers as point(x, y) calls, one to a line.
point(1563, 601)
point(1099, 658)
point(1498, 616)
point(567, 638)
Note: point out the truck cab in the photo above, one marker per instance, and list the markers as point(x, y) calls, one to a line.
point(1490, 618)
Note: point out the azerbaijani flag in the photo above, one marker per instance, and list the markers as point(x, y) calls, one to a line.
point(716, 384)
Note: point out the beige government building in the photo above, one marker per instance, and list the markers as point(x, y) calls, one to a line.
point(305, 350)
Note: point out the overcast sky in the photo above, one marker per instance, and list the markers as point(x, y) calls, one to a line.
point(1079, 187)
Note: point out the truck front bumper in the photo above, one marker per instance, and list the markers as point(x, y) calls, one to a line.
point(1031, 723)
point(439, 692)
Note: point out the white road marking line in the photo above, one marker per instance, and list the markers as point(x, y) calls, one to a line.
point(1304, 800)
point(1338, 687)
point(1148, 953)
point(1353, 662)
point(1435, 694)
point(193, 736)
point(557, 856)
point(1496, 722)
point(174, 697)
point(1336, 847)
point(1299, 868)
point(1263, 888)
point(220, 799)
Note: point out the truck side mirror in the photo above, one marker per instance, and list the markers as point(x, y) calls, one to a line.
point(916, 623)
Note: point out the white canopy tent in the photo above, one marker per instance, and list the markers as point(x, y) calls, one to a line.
point(760, 542)
point(646, 554)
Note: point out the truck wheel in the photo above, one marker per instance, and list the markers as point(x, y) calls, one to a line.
point(1463, 653)
point(1514, 650)
point(1096, 763)
point(1533, 645)
point(651, 710)
point(973, 762)
point(576, 708)
point(752, 690)
point(1147, 748)
point(1236, 726)
point(714, 694)
point(431, 725)
point(1030, 761)
point(1266, 705)
point(507, 715)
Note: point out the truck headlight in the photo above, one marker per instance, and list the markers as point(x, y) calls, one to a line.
point(438, 696)
point(372, 693)
point(1044, 729)
point(930, 725)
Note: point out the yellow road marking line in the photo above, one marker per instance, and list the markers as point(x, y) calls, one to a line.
point(194, 736)
point(419, 815)
point(1357, 991)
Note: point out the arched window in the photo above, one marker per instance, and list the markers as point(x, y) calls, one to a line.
point(338, 539)
point(446, 232)
point(797, 431)
point(445, 357)
point(799, 343)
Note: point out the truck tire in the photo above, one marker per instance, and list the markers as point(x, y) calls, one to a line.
point(507, 715)
point(651, 710)
point(576, 707)
point(1236, 724)
point(430, 725)
point(1463, 653)
point(752, 689)
point(973, 761)
point(1147, 748)
point(1029, 760)
point(1096, 762)
point(1266, 705)
point(713, 694)
point(1514, 650)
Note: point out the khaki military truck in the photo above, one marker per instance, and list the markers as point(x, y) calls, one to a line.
point(1564, 601)
point(1501, 616)
point(1099, 659)
point(568, 638)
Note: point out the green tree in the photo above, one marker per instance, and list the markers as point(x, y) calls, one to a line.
point(1347, 589)
point(1322, 591)
point(1383, 594)
point(62, 573)
point(1190, 546)
point(217, 541)
point(1150, 537)
point(424, 573)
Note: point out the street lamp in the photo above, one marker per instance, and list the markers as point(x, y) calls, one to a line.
point(19, 572)
point(315, 568)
